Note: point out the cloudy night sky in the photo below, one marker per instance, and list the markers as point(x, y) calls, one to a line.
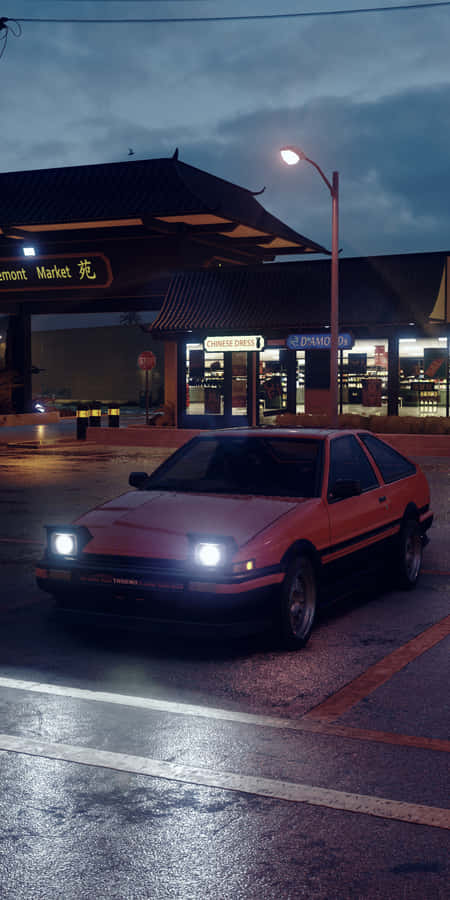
point(366, 94)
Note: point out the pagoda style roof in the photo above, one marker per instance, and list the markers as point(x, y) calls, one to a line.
point(159, 198)
point(374, 292)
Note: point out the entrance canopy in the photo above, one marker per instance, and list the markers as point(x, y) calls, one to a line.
point(133, 222)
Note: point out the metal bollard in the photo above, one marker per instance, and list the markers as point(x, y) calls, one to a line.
point(82, 421)
point(95, 417)
point(113, 416)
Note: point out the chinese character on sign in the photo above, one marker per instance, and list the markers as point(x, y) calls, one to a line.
point(85, 269)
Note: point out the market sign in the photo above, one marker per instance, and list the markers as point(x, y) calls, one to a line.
point(73, 271)
point(318, 341)
point(246, 342)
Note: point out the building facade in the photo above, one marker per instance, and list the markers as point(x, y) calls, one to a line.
point(243, 345)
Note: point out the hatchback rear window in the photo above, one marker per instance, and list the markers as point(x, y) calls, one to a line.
point(391, 464)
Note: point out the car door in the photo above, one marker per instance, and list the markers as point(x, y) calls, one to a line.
point(357, 523)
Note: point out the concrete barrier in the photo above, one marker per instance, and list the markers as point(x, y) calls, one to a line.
point(419, 444)
point(143, 436)
point(12, 419)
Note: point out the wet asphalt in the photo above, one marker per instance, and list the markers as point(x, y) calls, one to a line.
point(81, 830)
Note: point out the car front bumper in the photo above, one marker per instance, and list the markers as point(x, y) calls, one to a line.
point(131, 596)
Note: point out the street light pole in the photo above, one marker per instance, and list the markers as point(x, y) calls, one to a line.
point(291, 156)
point(334, 301)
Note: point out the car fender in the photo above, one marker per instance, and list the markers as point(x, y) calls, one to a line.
point(411, 512)
point(298, 548)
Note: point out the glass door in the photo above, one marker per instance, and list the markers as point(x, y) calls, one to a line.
point(216, 388)
point(239, 386)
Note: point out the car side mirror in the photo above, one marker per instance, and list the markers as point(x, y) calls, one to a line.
point(344, 487)
point(137, 479)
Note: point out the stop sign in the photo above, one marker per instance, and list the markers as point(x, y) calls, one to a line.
point(146, 360)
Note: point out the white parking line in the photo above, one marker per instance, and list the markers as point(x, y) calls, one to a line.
point(412, 813)
point(184, 709)
point(304, 724)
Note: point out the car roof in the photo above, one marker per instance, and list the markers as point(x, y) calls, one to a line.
point(275, 431)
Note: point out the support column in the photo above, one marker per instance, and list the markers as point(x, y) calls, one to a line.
point(291, 372)
point(393, 375)
point(18, 360)
point(171, 394)
point(253, 410)
point(317, 383)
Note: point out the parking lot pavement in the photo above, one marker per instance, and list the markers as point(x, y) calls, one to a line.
point(213, 770)
point(437, 554)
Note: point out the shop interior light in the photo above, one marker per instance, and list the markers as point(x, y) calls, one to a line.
point(29, 251)
point(442, 340)
point(407, 340)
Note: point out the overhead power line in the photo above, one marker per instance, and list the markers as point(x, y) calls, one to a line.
point(402, 7)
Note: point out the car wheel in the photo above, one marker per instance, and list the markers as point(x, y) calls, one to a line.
point(298, 603)
point(409, 559)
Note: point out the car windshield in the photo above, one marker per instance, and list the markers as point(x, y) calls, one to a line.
point(265, 466)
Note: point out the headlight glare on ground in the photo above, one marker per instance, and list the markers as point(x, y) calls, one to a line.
point(207, 554)
point(64, 543)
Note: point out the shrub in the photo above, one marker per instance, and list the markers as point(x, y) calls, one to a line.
point(377, 424)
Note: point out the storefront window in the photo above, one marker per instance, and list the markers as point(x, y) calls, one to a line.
point(272, 382)
point(364, 377)
point(204, 381)
point(300, 382)
point(423, 366)
point(239, 384)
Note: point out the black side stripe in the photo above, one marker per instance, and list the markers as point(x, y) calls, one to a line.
point(363, 536)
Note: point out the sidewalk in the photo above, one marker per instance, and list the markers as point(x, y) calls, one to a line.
point(63, 430)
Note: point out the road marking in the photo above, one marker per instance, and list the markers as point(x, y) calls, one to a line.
point(343, 700)
point(382, 807)
point(228, 715)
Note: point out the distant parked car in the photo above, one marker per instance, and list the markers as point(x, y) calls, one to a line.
point(241, 527)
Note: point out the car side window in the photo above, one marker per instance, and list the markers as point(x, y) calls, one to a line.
point(391, 464)
point(349, 462)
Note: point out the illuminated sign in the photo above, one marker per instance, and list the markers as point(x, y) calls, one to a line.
point(246, 342)
point(73, 271)
point(318, 341)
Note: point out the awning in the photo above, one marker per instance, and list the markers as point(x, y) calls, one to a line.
point(285, 297)
point(153, 197)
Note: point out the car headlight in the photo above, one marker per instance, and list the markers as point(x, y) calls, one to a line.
point(64, 543)
point(208, 554)
point(214, 554)
point(67, 541)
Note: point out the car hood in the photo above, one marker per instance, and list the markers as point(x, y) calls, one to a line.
point(156, 523)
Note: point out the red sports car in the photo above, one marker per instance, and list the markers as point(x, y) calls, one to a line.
point(244, 527)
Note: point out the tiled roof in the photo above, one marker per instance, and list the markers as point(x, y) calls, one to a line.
point(141, 189)
point(285, 297)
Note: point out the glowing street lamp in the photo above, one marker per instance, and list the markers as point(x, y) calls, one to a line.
point(291, 156)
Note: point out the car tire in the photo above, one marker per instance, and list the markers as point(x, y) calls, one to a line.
point(409, 554)
point(298, 603)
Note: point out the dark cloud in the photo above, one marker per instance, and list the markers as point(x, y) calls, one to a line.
point(366, 95)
